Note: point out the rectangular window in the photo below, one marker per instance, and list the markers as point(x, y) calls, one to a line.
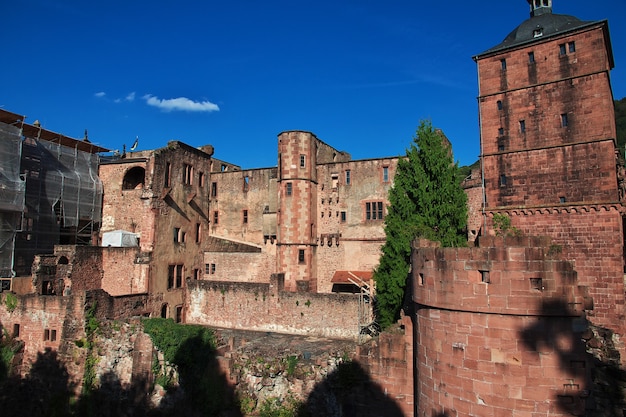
point(343, 217)
point(213, 189)
point(499, 104)
point(347, 177)
point(522, 126)
point(246, 183)
point(572, 47)
point(201, 179)
point(207, 269)
point(198, 232)
point(245, 216)
point(168, 173)
point(289, 189)
point(177, 235)
point(53, 335)
point(179, 276)
point(179, 314)
point(562, 49)
point(223, 167)
point(187, 174)
point(385, 174)
point(374, 210)
point(334, 178)
point(502, 180)
point(503, 64)
point(212, 269)
point(531, 57)
point(46, 334)
point(301, 256)
point(196, 274)
point(302, 161)
point(564, 120)
point(16, 330)
point(501, 131)
point(216, 217)
point(171, 274)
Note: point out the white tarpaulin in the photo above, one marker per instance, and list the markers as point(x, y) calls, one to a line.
point(120, 239)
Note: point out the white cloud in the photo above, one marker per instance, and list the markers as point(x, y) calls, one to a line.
point(100, 94)
point(180, 103)
point(130, 96)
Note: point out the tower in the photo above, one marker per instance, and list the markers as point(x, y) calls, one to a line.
point(548, 146)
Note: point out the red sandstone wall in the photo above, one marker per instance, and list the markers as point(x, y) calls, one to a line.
point(482, 322)
point(123, 274)
point(240, 267)
point(263, 307)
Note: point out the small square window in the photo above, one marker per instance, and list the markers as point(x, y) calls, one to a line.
point(484, 277)
point(536, 284)
point(562, 200)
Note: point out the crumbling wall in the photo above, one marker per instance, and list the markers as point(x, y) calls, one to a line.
point(266, 307)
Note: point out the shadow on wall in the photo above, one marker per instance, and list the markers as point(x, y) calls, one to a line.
point(585, 352)
point(349, 392)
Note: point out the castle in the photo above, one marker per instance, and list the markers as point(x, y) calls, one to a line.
point(176, 233)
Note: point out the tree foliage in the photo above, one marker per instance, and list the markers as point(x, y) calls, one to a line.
point(426, 201)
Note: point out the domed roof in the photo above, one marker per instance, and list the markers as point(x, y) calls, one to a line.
point(538, 27)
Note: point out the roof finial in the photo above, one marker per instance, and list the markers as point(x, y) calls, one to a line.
point(539, 7)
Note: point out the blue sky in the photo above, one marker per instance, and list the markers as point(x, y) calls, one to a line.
point(360, 74)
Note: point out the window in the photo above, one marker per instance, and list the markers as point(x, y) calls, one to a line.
point(201, 179)
point(343, 217)
point(564, 120)
point(289, 189)
point(177, 235)
point(168, 173)
point(300, 256)
point(385, 174)
point(347, 177)
point(46, 334)
point(187, 174)
point(302, 161)
point(499, 104)
point(245, 216)
point(538, 32)
point(531, 57)
point(213, 189)
point(164, 311)
point(501, 131)
point(484, 277)
point(562, 50)
point(198, 232)
point(246, 183)
point(374, 210)
point(503, 64)
point(335, 180)
point(209, 269)
point(216, 217)
point(196, 274)
point(223, 167)
point(179, 314)
point(522, 126)
point(501, 145)
point(212, 269)
point(502, 180)
point(562, 200)
point(572, 47)
point(16, 330)
point(174, 276)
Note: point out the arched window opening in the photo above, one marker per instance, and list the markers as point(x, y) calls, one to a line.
point(134, 178)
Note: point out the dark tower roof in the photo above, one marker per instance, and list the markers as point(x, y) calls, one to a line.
point(542, 24)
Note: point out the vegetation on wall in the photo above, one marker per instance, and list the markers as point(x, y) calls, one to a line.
point(426, 201)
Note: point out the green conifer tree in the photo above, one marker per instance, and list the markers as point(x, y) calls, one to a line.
point(426, 201)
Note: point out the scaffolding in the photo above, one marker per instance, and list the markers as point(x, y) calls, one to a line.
point(54, 195)
point(367, 325)
point(12, 190)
